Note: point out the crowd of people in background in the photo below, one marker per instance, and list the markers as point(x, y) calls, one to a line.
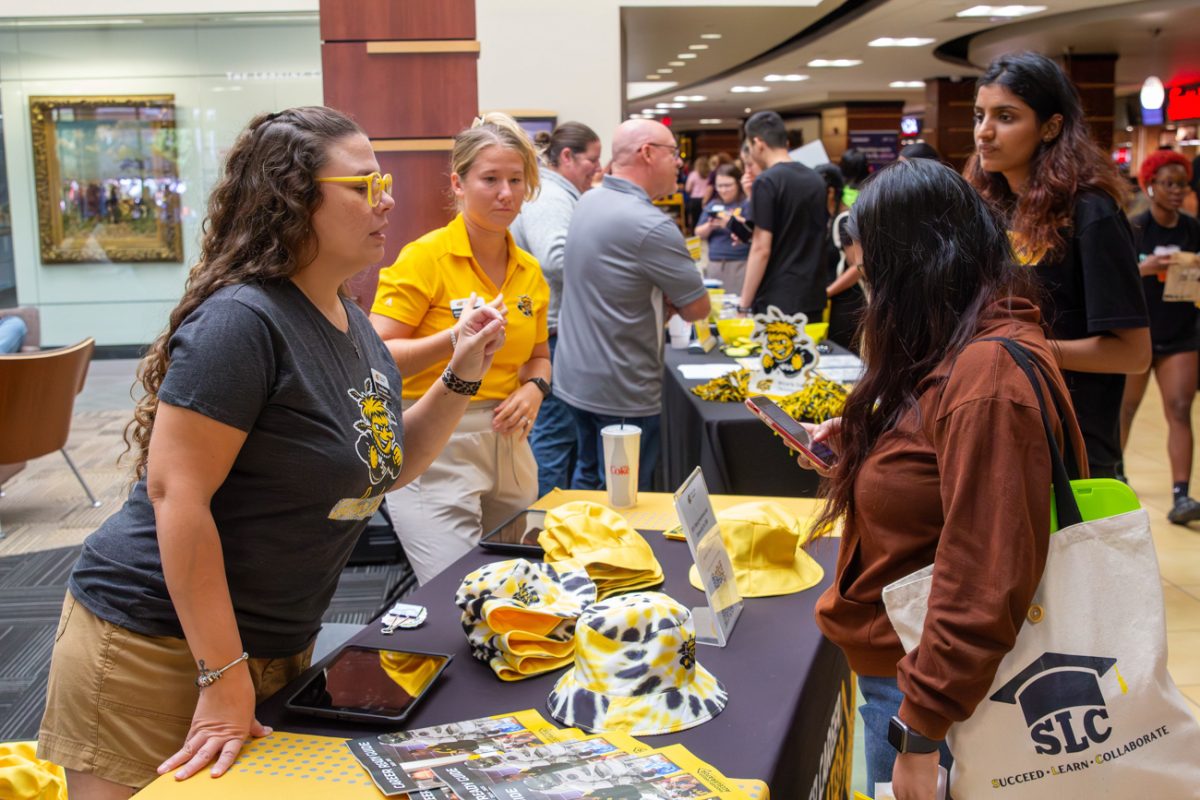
point(499, 345)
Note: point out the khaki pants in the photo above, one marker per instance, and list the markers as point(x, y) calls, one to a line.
point(478, 481)
point(119, 703)
point(731, 273)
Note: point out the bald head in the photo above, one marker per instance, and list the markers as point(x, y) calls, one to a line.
point(632, 134)
point(644, 153)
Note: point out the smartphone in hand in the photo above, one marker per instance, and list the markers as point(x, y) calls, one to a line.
point(739, 228)
point(792, 431)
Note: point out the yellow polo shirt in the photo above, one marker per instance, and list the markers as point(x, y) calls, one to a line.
point(429, 285)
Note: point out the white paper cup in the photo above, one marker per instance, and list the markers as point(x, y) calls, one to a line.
point(681, 332)
point(622, 444)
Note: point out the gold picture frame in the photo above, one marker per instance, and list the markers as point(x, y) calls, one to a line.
point(107, 178)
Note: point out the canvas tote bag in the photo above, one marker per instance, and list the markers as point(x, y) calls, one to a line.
point(1082, 707)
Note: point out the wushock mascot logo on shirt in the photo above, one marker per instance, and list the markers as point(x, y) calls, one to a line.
point(377, 445)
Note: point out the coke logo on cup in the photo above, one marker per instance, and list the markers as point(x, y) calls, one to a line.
point(624, 470)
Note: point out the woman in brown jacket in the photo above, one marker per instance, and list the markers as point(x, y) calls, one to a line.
point(942, 460)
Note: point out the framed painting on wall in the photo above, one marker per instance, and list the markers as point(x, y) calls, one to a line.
point(107, 179)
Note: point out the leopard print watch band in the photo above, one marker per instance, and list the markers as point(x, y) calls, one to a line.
point(458, 385)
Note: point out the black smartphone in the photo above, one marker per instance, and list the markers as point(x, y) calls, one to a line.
point(792, 431)
point(369, 684)
point(740, 228)
point(518, 536)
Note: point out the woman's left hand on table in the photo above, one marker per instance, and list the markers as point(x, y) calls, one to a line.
point(516, 413)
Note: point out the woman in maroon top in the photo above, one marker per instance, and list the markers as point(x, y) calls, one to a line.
point(942, 459)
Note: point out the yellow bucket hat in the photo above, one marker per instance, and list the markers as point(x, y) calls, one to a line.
point(519, 615)
point(635, 670)
point(615, 555)
point(764, 541)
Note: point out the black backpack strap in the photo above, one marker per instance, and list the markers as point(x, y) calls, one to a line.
point(1064, 498)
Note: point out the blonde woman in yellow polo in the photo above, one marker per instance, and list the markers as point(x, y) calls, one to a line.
point(487, 471)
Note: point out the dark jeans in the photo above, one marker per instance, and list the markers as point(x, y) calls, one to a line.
point(881, 702)
point(589, 462)
point(554, 440)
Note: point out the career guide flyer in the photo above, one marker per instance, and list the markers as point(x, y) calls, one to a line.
point(402, 762)
point(665, 774)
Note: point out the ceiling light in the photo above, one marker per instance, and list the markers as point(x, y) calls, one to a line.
point(676, 63)
point(710, 36)
point(654, 77)
point(790, 78)
point(686, 56)
point(697, 47)
point(750, 89)
point(710, 122)
point(907, 84)
point(747, 109)
point(689, 98)
point(670, 105)
point(904, 41)
point(653, 111)
point(664, 71)
point(835, 62)
point(1153, 94)
point(1003, 12)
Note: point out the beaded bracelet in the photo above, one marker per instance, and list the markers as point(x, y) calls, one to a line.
point(458, 385)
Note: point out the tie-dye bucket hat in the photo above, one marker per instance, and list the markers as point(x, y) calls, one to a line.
point(519, 615)
point(635, 670)
point(615, 555)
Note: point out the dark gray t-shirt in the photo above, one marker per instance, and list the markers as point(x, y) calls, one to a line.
point(321, 412)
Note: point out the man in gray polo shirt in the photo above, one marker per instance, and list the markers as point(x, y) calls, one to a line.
point(626, 270)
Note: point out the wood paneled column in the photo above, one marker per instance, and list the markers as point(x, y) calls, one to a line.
point(407, 72)
point(1095, 77)
point(949, 119)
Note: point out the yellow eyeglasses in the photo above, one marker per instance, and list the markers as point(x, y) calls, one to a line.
point(376, 185)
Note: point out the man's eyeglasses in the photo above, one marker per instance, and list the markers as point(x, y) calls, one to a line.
point(674, 148)
point(376, 185)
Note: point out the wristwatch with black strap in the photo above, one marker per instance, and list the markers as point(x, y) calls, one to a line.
point(541, 384)
point(907, 740)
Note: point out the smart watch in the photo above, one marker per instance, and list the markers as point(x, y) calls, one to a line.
point(541, 384)
point(906, 740)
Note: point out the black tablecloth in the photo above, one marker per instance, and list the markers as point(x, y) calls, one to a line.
point(790, 689)
point(739, 454)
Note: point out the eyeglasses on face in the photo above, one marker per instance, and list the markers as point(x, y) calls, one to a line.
point(674, 148)
point(376, 185)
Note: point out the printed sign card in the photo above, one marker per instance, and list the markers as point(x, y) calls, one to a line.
point(714, 623)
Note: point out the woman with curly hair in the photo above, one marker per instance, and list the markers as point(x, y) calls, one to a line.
point(1158, 233)
point(1061, 198)
point(267, 436)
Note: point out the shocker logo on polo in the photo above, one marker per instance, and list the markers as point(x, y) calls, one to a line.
point(377, 445)
point(1061, 699)
point(525, 305)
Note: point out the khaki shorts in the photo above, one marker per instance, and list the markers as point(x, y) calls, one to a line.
point(119, 703)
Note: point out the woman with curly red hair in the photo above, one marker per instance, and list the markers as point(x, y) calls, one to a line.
point(1159, 232)
point(1061, 198)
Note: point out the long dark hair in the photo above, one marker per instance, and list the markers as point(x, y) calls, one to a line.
point(1060, 168)
point(257, 230)
point(934, 256)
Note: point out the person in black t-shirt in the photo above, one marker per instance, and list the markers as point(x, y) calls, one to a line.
point(1035, 161)
point(788, 208)
point(1164, 175)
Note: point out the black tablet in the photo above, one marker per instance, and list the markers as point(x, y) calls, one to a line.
point(518, 536)
point(367, 684)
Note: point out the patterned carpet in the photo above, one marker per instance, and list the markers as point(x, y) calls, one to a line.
point(45, 516)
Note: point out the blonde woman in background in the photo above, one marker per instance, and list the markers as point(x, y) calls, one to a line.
point(487, 471)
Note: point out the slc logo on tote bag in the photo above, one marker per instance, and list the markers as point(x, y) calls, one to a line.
point(1082, 706)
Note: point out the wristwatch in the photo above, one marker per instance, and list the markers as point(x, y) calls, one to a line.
point(906, 740)
point(541, 384)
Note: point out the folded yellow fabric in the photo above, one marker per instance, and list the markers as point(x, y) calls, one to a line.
point(615, 555)
point(519, 615)
point(765, 543)
point(24, 776)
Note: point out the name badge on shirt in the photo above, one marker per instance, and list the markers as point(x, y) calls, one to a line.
point(355, 508)
point(382, 387)
point(457, 306)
